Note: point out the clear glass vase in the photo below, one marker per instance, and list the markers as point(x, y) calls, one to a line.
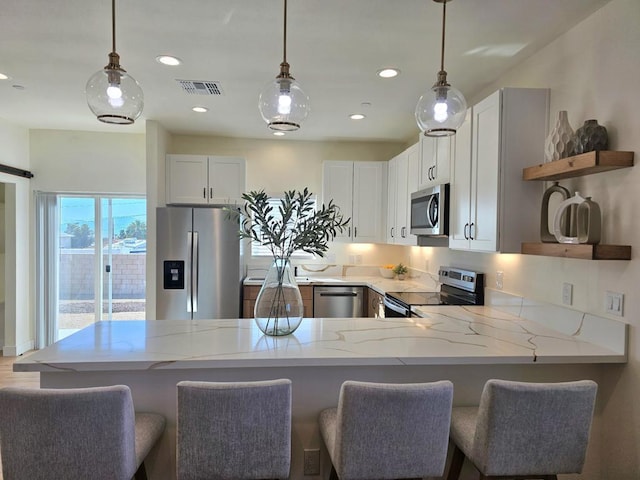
point(279, 309)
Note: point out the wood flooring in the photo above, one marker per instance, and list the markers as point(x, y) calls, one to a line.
point(9, 378)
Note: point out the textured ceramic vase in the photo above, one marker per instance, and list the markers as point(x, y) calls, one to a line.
point(591, 137)
point(279, 309)
point(560, 141)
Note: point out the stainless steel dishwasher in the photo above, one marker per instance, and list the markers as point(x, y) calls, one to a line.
point(338, 301)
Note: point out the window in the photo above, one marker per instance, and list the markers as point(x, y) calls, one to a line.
point(91, 257)
point(259, 250)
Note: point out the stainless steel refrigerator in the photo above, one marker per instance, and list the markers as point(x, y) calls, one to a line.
point(198, 265)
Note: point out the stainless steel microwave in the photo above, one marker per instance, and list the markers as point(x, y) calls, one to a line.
point(430, 211)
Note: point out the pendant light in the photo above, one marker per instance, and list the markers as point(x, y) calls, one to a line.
point(113, 95)
point(442, 109)
point(282, 103)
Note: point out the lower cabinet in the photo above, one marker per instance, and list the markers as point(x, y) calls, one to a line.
point(376, 305)
point(250, 294)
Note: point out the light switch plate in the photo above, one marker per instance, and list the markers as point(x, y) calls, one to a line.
point(614, 303)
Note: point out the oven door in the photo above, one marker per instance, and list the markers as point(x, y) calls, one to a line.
point(429, 211)
point(394, 309)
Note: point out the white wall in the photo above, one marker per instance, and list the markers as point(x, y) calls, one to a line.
point(157, 139)
point(593, 72)
point(18, 327)
point(88, 162)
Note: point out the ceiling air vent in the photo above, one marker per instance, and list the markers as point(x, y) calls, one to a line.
point(196, 87)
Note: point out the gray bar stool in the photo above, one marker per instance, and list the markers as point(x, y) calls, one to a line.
point(388, 431)
point(75, 433)
point(234, 430)
point(524, 430)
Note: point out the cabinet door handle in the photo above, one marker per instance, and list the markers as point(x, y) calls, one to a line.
point(204, 192)
point(355, 232)
point(211, 192)
point(472, 226)
point(349, 232)
point(466, 236)
point(392, 228)
point(402, 232)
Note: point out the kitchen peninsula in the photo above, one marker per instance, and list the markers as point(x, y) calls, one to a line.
point(467, 345)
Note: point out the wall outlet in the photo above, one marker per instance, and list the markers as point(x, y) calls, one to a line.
point(499, 279)
point(613, 303)
point(567, 293)
point(312, 461)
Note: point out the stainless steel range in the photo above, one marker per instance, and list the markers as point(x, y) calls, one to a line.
point(458, 287)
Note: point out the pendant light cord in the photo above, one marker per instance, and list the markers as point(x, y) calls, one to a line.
point(284, 48)
point(113, 25)
point(444, 16)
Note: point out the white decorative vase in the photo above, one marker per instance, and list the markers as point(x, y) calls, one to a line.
point(560, 141)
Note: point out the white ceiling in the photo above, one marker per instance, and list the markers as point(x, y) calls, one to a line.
point(335, 47)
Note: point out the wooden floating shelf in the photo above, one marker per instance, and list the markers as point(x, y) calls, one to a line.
point(580, 251)
point(578, 165)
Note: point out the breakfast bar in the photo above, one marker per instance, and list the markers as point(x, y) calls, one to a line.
point(466, 345)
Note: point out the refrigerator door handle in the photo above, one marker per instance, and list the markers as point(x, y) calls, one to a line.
point(189, 272)
point(195, 273)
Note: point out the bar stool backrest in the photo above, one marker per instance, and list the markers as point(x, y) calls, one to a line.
point(533, 427)
point(233, 430)
point(67, 433)
point(392, 430)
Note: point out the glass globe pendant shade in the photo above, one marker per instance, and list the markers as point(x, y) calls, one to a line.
point(283, 104)
point(114, 96)
point(441, 110)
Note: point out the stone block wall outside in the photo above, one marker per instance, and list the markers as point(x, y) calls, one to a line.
point(77, 276)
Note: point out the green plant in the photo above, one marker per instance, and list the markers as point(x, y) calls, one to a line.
point(295, 227)
point(400, 269)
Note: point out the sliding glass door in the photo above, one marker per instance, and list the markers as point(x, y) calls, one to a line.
point(92, 262)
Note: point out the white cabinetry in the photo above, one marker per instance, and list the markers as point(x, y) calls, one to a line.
point(435, 160)
point(357, 188)
point(204, 180)
point(404, 172)
point(491, 208)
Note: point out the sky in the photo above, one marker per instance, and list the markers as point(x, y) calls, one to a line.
point(82, 210)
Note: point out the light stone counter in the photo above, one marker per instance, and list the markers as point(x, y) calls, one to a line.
point(466, 345)
point(378, 283)
point(446, 336)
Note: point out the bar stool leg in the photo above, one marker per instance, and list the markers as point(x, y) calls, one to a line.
point(457, 460)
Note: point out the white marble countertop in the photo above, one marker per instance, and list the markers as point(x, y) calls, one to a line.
point(378, 283)
point(445, 336)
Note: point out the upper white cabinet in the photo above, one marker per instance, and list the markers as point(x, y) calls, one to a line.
point(205, 180)
point(357, 188)
point(491, 208)
point(435, 160)
point(403, 178)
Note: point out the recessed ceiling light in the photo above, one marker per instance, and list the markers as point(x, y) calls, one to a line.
point(356, 116)
point(168, 60)
point(200, 109)
point(388, 72)
point(279, 134)
point(4, 77)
